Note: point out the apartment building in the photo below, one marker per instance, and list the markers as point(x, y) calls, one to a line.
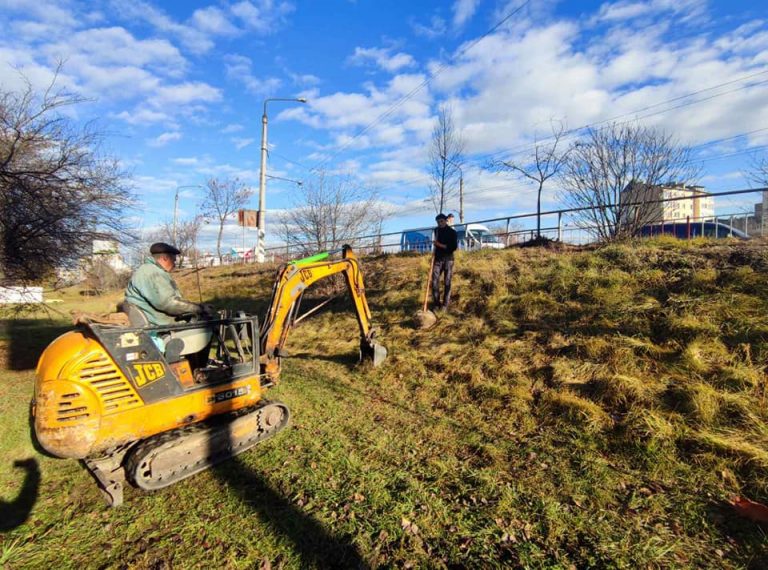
point(667, 203)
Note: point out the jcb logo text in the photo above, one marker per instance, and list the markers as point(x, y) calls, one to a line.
point(145, 372)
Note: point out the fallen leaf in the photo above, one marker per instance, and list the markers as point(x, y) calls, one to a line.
point(751, 510)
point(409, 527)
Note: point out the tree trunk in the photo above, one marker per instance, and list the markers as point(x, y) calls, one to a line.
point(218, 241)
point(538, 213)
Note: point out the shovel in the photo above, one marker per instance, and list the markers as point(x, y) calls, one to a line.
point(424, 318)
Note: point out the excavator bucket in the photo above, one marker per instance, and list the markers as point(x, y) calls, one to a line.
point(373, 351)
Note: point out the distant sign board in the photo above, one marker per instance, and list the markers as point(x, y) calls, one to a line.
point(248, 218)
point(16, 295)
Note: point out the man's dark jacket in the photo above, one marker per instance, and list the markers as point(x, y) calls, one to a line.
point(446, 236)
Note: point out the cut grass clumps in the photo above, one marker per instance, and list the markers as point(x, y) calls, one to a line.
point(734, 444)
point(738, 377)
point(621, 391)
point(621, 256)
point(689, 325)
point(652, 429)
point(537, 306)
point(571, 408)
point(697, 401)
point(705, 354)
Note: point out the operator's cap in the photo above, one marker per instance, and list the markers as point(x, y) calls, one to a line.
point(441, 217)
point(161, 247)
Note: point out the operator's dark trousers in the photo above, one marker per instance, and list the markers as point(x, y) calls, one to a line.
point(444, 266)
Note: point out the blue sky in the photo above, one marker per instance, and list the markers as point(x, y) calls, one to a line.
point(178, 87)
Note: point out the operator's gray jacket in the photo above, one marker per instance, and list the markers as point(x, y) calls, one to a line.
point(153, 290)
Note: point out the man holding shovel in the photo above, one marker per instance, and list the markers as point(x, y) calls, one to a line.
point(445, 243)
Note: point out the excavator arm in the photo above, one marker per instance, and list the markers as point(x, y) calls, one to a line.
point(292, 279)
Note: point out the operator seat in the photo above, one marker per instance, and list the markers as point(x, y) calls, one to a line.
point(192, 340)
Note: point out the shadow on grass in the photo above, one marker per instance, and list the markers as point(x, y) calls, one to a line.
point(27, 338)
point(315, 544)
point(748, 533)
point(16, 512)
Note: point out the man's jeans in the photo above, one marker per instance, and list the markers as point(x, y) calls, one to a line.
point(442, 266)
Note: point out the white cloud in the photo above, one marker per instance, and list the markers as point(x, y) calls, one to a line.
point(463, 10)
point(623, 10)
point(232, 128)
point(687, 11)
point(143, 116)
point(186, 161)
point(383, 57)
point(263, 16)
point(194, 40)
point(115, 46)
point(239, 69)
point(42, 10)
point(434, 29)
point(241, 143)
point(184, 93)
point(212, 20)
point(164, 139)
point(304, 80)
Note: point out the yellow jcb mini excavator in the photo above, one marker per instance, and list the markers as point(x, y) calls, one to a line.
point(156, 404)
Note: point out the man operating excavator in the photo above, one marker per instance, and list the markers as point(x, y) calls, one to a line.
point(152, 296)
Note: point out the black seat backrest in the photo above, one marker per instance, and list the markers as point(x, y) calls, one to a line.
point(135, 315)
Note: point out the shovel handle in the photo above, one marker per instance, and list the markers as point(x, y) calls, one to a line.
point(429, 281)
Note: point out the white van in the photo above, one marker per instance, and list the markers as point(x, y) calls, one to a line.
point(476, 236)
point(469, 236)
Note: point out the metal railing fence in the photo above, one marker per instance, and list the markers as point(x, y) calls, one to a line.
point(564, 225)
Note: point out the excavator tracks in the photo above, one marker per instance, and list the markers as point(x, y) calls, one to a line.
point(167, 458)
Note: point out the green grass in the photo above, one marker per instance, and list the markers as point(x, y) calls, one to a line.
point(575, 409)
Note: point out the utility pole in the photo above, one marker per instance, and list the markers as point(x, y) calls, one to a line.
point(263, 175)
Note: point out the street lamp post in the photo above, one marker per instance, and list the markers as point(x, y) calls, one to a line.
point(176, 207)
point(263, 174)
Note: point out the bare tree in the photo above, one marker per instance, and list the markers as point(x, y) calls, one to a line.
point(618, 158)
point(445, 159)
point(222, 199)
point(331, 211)
point(544, 162)
point(58, 191)
point(187, 232)
point(758, 172)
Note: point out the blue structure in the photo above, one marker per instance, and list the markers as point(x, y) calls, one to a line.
point(470, 236)
point(697, 229)
point(416, 240)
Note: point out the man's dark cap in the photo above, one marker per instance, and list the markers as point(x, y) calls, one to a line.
point(161, 247)
point(450, 215)
point(441, 217)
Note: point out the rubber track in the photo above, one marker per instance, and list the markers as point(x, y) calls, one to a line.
point(147, 447)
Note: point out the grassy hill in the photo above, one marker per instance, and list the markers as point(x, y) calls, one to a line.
point(574, 409)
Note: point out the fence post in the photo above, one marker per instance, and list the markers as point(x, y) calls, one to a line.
point(506, 235)
point(730, 227)
point(688, 226)
point(559, 226)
